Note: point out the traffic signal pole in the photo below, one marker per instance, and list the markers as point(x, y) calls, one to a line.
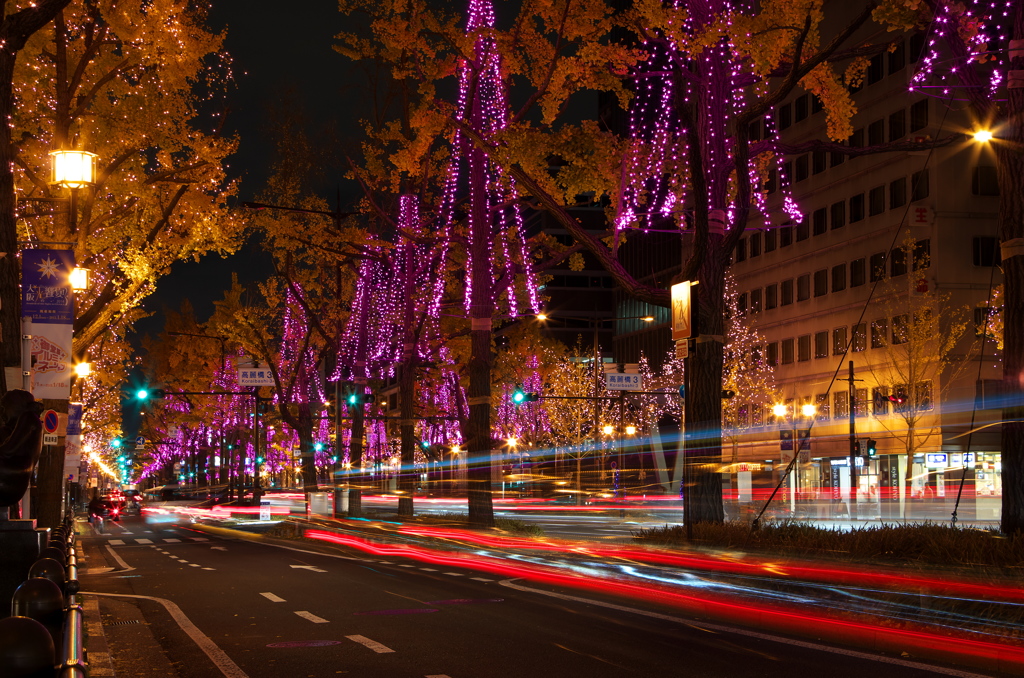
point(853, 446)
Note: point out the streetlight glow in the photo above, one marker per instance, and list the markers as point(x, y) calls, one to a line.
point(73, 169)
point(512, 442)
point(779, 410)
point(608, 430)
point(542, 316)
point(983, 136)
point(79, 279)
point(809, 410)
point(630, 430)
point(83, 369)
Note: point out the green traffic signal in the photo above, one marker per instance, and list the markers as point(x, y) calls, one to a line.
point(115, 443)
point(318, 446)
point(872, 447)
point(142, 394)
point(518, 397)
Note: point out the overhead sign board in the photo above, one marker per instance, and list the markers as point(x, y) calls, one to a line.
point(255, 376)
point(682, 311)
point(623, 381)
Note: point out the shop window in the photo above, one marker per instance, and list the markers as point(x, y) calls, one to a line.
point(858, 275)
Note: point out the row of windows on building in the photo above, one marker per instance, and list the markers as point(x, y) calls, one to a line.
point(804, 106)
point(852, 274)
point(753, 415)
point(834, 217)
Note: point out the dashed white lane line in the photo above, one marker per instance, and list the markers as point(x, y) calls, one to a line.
point(481, 579)
point(454, 574)
point(116, 542)
point(272, 598)
point(407, 566)
point(199, 539)
point(126, 532)
point(311, 617)
point(428, 569)
point(149, 531)
point(173, 541)
point(143, 541)
point(372, 644)
point(192, 565)
point(438, 675)
point(210, 568)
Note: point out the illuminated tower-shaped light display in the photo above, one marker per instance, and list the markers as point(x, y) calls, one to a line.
point(498, 274)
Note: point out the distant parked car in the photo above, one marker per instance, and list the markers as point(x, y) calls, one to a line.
point(112, 510)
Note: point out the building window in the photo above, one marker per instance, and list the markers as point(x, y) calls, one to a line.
point(802, 167)
point(741, 302)
point(898, 193)
point(769, 240)
point(858, 275)
point(842, 404)
point(803, 229)
point(803, 352)
point(787, 292)
point(787, 351)
point(819, 224)
point(755, 301)
point(836, 158)
point(785, 116)
point(878, 266)
point(771, 296)
point(787, 171)
point(919, 185)
point(857, 208)
point(986, 251)
point(897, 125)
point(919, 115)
point(838, 215)
point(897, 58)
point(821, 344)
point(876, 200)
point(880, 397)
point(900, 329)
point(923, 395)
point(772, 353)
point(860, 403)
point(800, 107)
point(898, 262)
point(879, 333)
point(860, 338)
point(772, 184)
point(857, 138)
point(821, 404)
point(755, 245)
point(876, 133)
point(816, 105)
point(839, 277)
point(803, 287)
point(819, 162)
point(839, 341)
point(984, 181)
point(741, 250)
point(922, 254)
point(786, 235)
point(821, 282)
point(875, 69)
point(754, 131)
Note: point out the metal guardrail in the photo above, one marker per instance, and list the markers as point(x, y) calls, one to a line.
point(39, 643)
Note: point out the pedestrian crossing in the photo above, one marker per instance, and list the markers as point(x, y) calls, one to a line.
point(143, 541)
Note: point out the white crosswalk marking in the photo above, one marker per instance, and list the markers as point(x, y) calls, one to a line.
point(173, 541)
point(116, 542)
point(272, 598)
point(143, 541)
point(311, 617)
point(192, 565)
point(372, 644)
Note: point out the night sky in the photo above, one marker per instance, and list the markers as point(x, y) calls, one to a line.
point(283, 56)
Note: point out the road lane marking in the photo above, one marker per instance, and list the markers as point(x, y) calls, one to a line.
point(210, 568)
point(311, 617)
point(172, 541)
point(218, 548)
point(701, 625)
point(272, 598)
point(192, 565)
point(200, 539)
point(438, 675)
point(407, 566)
point(113, 554)
point(311, 568)
point(143, 541)
point(454, 574)
point(372, 644)
point(227, 667)
point(428, 569)
point(116, 542)
point(481, 579)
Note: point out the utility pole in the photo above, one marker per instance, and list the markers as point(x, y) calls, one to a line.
point(853, 446)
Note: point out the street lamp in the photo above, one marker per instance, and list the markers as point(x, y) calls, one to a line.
point(79, 279)
point(982, 136)
point(73, 170)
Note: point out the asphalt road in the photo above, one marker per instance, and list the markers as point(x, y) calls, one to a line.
point(193, 604)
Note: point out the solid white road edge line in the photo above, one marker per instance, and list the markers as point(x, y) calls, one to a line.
point(124, 566)
point(311, 617)
point(220, 659)
point(752, 634)
point(272, 598)
point(372, 644)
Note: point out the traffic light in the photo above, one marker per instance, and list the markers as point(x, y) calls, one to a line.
point(519, 396)
point(872, 447)
point(115, 443)
point(318, 446)
point(359, 398)
point(145, 394)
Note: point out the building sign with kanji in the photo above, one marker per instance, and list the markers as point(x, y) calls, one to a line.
point(255, 376)
point(623, 381)
point(47, 300)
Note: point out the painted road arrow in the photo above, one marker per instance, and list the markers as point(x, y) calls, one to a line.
point(308, 567)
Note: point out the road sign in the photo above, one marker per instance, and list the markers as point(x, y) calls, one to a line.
point(682, 349)
point(264, 509)
point(623, 381)
point(682, 311)
point(255, 376)
point(50, 422)
point(50, 438)
point(140, 442)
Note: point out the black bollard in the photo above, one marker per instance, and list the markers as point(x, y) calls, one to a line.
point(55, 553)
point(26, 649)
point(48, 568)
point(43, 601)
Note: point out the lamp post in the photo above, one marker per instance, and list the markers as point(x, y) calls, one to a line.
point(783, 412)
point(73, 170)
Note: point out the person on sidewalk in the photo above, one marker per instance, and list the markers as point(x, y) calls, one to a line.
point(96, 514)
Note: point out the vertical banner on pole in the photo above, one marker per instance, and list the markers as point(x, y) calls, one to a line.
point(47, 299)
